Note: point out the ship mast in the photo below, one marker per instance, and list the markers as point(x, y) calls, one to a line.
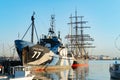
point(52, 28)
point(33, 26)
point(79, 40)
point(71, 31)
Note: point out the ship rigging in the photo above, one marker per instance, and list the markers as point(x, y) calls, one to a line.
point(78, 40)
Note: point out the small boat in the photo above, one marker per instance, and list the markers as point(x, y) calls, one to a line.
point(3, 77)
point(115, 71)
point(20, 73)
point(2, 73)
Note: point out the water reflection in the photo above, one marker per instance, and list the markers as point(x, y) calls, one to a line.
point(79, 73)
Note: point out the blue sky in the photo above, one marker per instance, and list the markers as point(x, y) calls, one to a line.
point(102, 15)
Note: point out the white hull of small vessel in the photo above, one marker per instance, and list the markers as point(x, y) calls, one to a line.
point(21, 73)
point(23, 78)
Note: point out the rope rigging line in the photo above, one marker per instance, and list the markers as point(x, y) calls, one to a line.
point(26, 31)
point(36, 33)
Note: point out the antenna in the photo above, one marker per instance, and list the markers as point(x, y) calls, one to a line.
point(52, 28)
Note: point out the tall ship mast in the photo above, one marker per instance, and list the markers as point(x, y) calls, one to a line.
point(78, 40)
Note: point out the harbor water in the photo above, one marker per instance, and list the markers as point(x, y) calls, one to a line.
point(97, 70)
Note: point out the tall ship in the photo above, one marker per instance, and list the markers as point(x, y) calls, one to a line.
point(47, 53)
point(78, 41)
